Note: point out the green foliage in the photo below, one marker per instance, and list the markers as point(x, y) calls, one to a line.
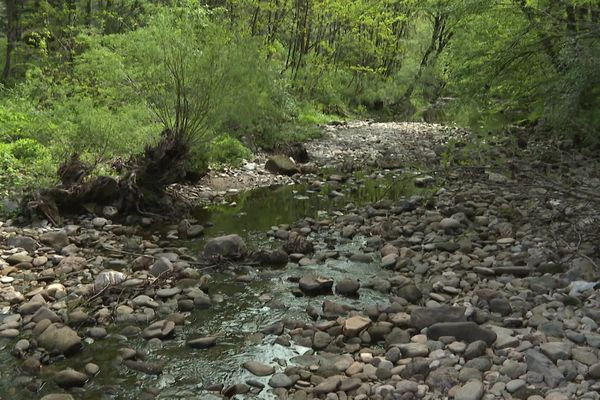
point(24, 164)
point(228, 150)
point(105, 78)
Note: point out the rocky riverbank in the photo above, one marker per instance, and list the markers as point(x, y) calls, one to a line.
point(489, 282)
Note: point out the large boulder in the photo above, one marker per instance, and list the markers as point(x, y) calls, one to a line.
point(59, 339)
point(282, 165)
point(229, 246)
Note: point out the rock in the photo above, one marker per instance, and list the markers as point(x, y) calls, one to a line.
point(347, 287)
point(24, 242)
point(410, 292)
point(557, 350)
point(161, 266)
point(495, 177)
point(411, 350)
point(449, 224)
point(162, 329)
point(539, 363)
point(298, 244)
point(329, 385)
point(59, 339)
point(471, 391)
point(55, 239)
point(321, 340)
point(500, 305)
point(423, 317)
point(31, 365)
point(70, 264)
point(258, 369)
point(594, 371)
point(354, 325)
point(466, 331)
point(203, 342)
point(19, 258)
point(148, 368)
point(194, 231)
point(280, 381)
point(234, 390)
point(229, 246)
point(275, 258)
point(70, 378)
point(281, 165)
point(515, 385)
point(58, 396)
point(442, 379)
point(92, 369)
point(45, 313)
point(314, 285)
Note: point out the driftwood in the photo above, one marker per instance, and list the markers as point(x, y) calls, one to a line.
point(139, 189)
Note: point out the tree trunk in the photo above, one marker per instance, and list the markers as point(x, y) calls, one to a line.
point(12, 24)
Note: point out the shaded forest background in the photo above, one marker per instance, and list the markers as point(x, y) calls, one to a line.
point(103, 78)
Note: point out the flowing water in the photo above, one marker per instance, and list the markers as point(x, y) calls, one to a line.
point(241, 313)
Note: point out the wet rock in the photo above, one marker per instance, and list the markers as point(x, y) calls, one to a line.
point(282, 165)
point(92, 369)
point(146, 367)
point(347, 287)
point(423, 317)
point(163, 329)
point(315, 285)
point(31, 365)
point(59, 339)
point(202, 342)
point(258, 369)
point(297, 243)
point(234, 390)
point(280, 381)
point(465, 331)
point(228, 246)
point(275, 258)
point(69, 378)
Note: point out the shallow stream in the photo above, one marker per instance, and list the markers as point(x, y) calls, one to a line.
point(241, 313)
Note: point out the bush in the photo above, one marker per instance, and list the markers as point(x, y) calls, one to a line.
point(24, 165)
point(228, 150)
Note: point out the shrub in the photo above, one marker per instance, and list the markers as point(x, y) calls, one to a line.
point(228, 150)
